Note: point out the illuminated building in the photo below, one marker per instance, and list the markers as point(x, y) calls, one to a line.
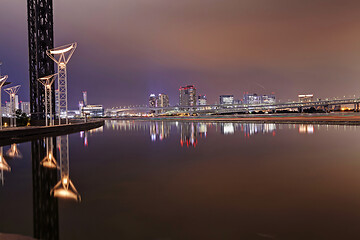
point(252, 99)
point(202, 100)
point(85, 98)
point(8, 108)
point(306, 97)
point(152, 100)
point(17, 102)
point(187, 96)
point(162, 100)
point(268, 99)
point(226, 99)
point(25, 107)
point(93, 110)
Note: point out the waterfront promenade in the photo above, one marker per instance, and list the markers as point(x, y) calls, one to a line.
point(22, 134)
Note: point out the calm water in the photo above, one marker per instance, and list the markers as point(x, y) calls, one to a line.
point(179, 180)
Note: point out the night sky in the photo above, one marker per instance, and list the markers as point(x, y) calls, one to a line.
point(128, 49)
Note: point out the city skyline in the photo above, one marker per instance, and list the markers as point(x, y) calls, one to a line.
point(229, 48)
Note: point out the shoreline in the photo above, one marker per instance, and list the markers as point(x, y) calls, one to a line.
point(277, 119)
point(25, 134)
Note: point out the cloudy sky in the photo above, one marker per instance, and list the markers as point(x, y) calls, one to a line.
point(128, 49)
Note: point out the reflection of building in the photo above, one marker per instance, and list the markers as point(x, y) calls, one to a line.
point(306, 128)
point(162, 100)
point(159, 130)
point(306, 97)
point(227, 128)
point(202, 100)
point(25, 107)
point(93, 110)
point(188, 134)
point(152, 100)
point(187, 96)
point(253, 128)
point(202, 129)
point(226, 99)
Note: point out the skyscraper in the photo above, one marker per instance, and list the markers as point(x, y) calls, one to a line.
point(202, 100)
point(187, 96)
point(252, 99)
point(226, 99)
point(16, 102)
point(25, 107)
point(162, 100)
point(85, 97)
point(152, 100)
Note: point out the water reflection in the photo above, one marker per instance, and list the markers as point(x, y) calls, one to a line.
point(49, 160)
point(190, 132)
point(65, 187)
point(306, 128)
point(4, 166)
point(14, 152)
point(159, 131)
point(85, 134)
point(45, 207)
point(46, 187)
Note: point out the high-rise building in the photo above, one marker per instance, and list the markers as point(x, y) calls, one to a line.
point(187, 96)
point(25, 107)
point(306, 97)
point(93, 110)
point(85, 97)
point(226, 99)
point(162, 100)
point(252, 99)
point(152, 100)
point(202, 100)
point(255, 99)
point(268, 99)
point(8, 108)
point(16, 102)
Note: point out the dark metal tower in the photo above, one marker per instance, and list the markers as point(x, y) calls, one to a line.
point(41, 38)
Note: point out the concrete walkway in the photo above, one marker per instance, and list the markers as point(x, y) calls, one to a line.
point(23, 134)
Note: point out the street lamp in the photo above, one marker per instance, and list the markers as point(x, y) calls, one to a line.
point(12, 93)
point(2, 82)
point(47, 82)
point(61, 56)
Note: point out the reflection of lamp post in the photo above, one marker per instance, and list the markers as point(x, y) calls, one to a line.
point(47, 82)
point(61, 55)
point(4, 166)
point(12, 92)
point(49, 160)
point(14, 152)
point(65, 188)
point(2, 82)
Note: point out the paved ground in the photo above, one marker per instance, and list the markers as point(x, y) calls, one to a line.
point(4, 236)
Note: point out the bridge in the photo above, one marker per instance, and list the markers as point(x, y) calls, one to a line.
point(326, 105)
